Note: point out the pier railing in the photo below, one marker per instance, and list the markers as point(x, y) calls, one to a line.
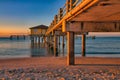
point(68, 6)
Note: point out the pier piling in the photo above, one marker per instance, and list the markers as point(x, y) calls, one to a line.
point(63, 45)
point(83, 45)
point(70, 48)
point(55, 45)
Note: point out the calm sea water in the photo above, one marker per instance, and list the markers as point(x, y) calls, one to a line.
point(101, 46)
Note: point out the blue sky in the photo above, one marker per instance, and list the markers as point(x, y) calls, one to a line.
point(16, 16)
point(27, 13)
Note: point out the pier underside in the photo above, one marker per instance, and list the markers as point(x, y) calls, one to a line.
point(88, 16)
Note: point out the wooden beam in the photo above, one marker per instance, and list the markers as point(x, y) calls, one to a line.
point(70, 48)
point(58, 33)
point(38, 39)
point(63, 44)
point(55, 45)
point(55, 19)
point(71, 4)
point(87, 26)
point(106, 11)
point(35, 39)
point(67, 6)
point(72, 13)
point(64, 24)
point(59, 43)
point(83, 45)
point(60, 14)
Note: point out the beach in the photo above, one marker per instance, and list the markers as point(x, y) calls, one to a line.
point(82, 42)
point(20, 61)
point(55, 68)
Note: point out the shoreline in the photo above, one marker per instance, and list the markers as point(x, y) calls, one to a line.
point(18, 62)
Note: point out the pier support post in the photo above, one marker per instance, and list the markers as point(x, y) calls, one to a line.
point(59, 43)
point(42, 39)
point(32, 39)
point(55, 46)
point(70, 48)
point(39, 40)
point(63, 45)
point(24, 37)
point(17, 37)
point(36, 39)
point(48, 43)
point(83, 44)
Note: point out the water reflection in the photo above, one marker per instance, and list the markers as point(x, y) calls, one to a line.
point(40, 49)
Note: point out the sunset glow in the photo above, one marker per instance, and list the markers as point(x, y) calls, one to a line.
point(17, 16)
point(7, 30)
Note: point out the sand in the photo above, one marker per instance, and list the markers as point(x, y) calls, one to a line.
point(55, 68)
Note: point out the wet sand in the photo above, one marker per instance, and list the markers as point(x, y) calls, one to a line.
point(55, 68)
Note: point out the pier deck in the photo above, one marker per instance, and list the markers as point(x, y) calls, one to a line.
point(82, 17)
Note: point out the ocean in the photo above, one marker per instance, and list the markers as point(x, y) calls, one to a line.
point(98, 47)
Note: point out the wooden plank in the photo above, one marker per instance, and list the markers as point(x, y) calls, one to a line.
point(70, 48)
point(89, 26)
point(103, 11)
point(55, 45)
point(72, 13)
point(63, 44)
point(58, 33)
point(83, 45)
point(38, 40)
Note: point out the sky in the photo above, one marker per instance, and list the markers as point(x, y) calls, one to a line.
point(17, 16)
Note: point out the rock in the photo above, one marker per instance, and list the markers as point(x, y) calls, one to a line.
point(61, 78)
point(2, 78)
point(21, 70)
point(28, 79)
point(2, 71)
point(79, 79)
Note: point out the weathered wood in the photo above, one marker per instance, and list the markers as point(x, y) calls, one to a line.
point(44, 39)
point(60, 14)
point(83, 45)
point(32, 39)
point(63, 45)
point(71, 4)
point(59, 43)
point(38, 39)
point(64, 24)
point(35, 39)
point(48, 42)
point(72, 13)
point(106, 26)
point(55, 45)
point(67, 6)
point(103, 11)
point(55, 19)
point(70, 48)
point(58, 33)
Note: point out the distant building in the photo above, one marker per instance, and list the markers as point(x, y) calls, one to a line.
point(38, 34)
point(39, 30)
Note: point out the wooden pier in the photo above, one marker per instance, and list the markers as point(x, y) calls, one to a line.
point(17, 37)
point(38, 34)
point(79, 17)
